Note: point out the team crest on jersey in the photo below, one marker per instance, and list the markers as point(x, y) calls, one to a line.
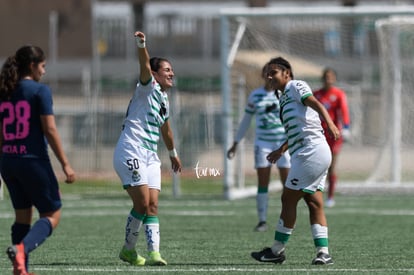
point(270, 108)
point(136, 176)
point(294, 181)
point(163, 110)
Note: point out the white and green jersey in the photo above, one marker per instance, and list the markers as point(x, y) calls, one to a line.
point(269, 131)
point(302, 123)
point(147, 112)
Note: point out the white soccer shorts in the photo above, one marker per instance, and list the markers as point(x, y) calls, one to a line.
point(309, 168)
point(137, 166)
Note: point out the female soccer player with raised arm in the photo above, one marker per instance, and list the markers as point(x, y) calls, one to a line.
point(310, 160)
point(26, 122)
point(135, 158)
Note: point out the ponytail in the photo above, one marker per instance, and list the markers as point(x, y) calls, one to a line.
point(17, 67)
point(9, 77)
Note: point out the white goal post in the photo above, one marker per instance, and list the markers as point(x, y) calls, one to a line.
point(312, 38)
point(393, 32)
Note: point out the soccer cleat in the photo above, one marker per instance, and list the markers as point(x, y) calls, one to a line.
point(267, 256)
point(155, 259)
point(322, 259)
point(261, 227)
point(18, 258)
point(330, 203)
point(131, 257)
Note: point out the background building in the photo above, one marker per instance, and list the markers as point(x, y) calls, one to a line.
point(92, 66)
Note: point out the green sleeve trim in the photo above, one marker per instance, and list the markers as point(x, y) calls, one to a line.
point(305, 97)
point(146, 83)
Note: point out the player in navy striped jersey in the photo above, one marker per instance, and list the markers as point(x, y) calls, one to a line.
point(310, 159)
point(27, 127)
point(269, 136)
point(135, 158)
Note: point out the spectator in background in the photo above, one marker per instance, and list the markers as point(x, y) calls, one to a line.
point(269, 135)
point(335, 102)
point(27, 122)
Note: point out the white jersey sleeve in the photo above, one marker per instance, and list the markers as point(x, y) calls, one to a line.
point(302, 123)
point(243, 126)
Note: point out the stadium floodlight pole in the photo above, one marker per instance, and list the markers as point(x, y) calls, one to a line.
point(226, 106)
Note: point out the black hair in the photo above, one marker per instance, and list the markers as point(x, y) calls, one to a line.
point(264, 70)
point(17, 66)
point(326, 71)
point(283, 64)
point(155, 63)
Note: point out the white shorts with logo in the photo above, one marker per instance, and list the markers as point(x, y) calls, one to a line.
point(309, 168)
point(137, 166)
point(260, 158)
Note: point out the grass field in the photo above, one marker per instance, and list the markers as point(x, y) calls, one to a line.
point(203, 234)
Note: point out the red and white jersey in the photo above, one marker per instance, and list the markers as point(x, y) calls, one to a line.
point(335, 102)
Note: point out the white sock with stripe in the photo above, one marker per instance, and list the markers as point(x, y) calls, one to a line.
point(132, 228)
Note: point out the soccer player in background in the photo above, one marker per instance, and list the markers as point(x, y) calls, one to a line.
point(27, 122)
point(135, 158)
point(335, 101)
point(269, 136)
point(310, 160)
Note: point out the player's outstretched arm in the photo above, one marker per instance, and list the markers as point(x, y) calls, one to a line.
point(143, 57)
point(312, 102)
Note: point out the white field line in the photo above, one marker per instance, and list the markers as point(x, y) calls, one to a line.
point(119, 212)
point(255, 269)
point(68, 212)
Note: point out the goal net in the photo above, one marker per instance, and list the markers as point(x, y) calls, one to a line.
point(371, 49)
